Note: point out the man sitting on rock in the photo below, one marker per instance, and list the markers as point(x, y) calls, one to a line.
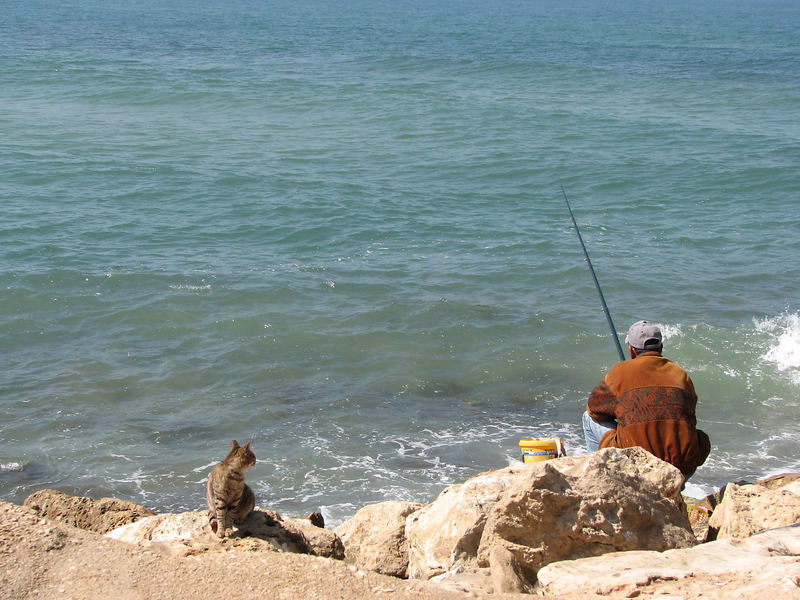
point(648, 401)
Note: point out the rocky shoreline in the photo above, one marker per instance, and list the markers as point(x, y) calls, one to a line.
point(612, 524)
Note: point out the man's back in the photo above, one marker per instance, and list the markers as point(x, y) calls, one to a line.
point(653, 401)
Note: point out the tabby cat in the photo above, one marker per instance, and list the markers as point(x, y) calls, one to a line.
point(229, 498)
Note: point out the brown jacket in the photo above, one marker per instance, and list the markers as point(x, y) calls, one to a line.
point(653, 401)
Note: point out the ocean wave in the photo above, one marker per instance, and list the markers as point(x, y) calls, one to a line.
point(670, 331)
point(762, 348)
point(783, 342)
point(190, 288)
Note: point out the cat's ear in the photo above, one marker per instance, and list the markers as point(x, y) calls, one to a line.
point(247, 446)
point(234, 445)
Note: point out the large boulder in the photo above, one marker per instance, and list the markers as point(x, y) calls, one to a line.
point(100, 516)
point(518, 519)
point(375, 538)
point(751, 508)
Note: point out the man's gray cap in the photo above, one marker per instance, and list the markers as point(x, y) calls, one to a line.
point(643, 335)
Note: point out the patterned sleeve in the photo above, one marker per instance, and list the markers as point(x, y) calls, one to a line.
point(602, 403)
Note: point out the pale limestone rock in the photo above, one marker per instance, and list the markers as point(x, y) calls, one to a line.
point(188, 533)
point(612, 500)
point(756, 567)
point(100, 516)
point(447, 533)
point(374, 538)
point(751, 508)
point(507, 576)
point(701, 509)
point(162, 528)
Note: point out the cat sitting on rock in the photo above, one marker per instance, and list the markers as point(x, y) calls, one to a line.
point(229, 498)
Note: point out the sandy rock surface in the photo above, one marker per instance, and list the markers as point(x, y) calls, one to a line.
point(46, 559)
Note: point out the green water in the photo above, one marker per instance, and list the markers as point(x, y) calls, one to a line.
point(337, 230)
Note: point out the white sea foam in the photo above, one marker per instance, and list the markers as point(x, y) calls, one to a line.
point(783, 343)
point(697, 491)
point(190, 288)
point(11, 466)
point(670, 331)
point(204, 467)
point(122, 456)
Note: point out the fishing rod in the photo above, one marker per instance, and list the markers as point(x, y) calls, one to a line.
point(596, 283)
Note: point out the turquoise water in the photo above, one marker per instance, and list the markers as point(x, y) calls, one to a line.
point(337, 230)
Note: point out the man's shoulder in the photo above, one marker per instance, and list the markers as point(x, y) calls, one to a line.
point(652, 370)
point(645, 362)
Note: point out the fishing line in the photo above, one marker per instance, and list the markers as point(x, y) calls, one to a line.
point(596, 283)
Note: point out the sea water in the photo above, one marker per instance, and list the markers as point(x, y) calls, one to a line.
point(336, 229)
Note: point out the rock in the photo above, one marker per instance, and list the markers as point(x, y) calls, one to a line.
point(446, 534)
point(169, 529)
point(567, 508)
point(375, 538)
point(271, 527)
point(40, 558)
point(507, 577)
point(467, 581)
point(315, 518)
point(100, 516)
point(319, 541)
point(765, 565)
point(188, 533)
point(778, 481)
point(700, 510)
point(752, 508)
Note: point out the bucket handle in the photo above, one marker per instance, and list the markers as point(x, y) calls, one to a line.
point(560, 447)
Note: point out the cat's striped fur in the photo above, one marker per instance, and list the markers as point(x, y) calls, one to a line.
point(229, 498)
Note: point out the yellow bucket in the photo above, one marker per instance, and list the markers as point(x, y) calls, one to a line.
point(540, 449)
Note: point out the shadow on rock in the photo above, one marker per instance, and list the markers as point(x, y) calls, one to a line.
point(301, 535)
